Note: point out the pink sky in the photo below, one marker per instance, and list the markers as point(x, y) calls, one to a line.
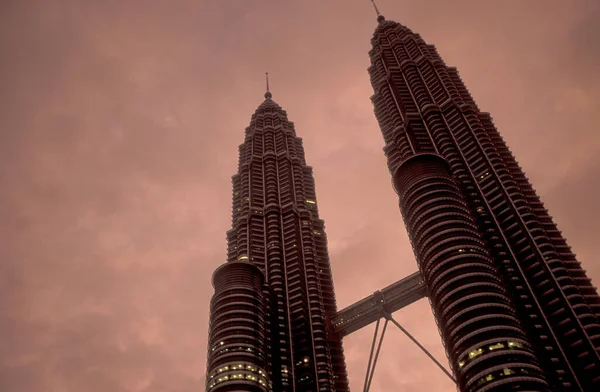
point(120, 122)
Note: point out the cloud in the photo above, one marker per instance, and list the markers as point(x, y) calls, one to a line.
point(119, 128)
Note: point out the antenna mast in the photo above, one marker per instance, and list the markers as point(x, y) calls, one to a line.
point(268, 94)
point(376, 9)
point(267, 76)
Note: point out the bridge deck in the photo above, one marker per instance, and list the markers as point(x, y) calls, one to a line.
point(370, 309)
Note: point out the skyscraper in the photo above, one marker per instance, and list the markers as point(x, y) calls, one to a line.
point(268, 328)
point(515, 309)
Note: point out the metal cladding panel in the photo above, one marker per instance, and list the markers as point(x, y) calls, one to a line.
point(423, 107)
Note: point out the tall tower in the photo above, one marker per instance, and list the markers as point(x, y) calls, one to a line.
point(508, 294)
point(275, 294)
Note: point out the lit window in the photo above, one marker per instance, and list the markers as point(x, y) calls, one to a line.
point(461, 364)
point(496, 346)
point(508, 372)
point(515, 344)
point(311, 201)
point(243, 257)
point(475, 353)
point(480, 209)
point(489, 377)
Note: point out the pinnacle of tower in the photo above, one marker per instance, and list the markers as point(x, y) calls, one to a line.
point(383, 23)
point(268, 94)
point(268, 103)
point(380, 18)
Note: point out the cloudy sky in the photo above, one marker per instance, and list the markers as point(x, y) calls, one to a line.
point(119, 127)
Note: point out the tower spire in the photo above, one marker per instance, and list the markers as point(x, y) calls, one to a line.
point(380, 18)
point(268, 94)
point(376, 9)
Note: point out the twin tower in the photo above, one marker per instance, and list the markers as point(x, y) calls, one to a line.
point(515, 310)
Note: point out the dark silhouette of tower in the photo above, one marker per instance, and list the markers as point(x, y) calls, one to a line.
point(508, 294)
point(273, 297)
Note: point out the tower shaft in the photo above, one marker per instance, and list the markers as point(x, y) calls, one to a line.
point(276, 227)
point(424, 108)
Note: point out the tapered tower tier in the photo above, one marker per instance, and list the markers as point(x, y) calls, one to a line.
point(238, 341)
point(484, 339)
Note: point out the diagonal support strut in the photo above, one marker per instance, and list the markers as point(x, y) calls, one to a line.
point(415, 341)
point(373, 360)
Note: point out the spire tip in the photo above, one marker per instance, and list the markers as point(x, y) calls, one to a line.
point(380, 18)
point(268, 94)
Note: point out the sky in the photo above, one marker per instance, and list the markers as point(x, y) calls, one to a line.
point(119, 128)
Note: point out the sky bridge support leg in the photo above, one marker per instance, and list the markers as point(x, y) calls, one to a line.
point(373, 360)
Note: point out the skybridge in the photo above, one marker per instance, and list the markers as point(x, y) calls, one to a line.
point(388, 300)
point(380, 305)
